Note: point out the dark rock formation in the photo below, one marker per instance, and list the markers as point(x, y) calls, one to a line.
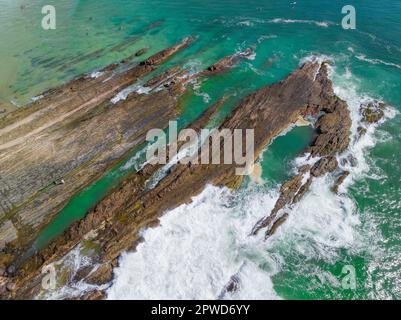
point(226, 62)
point(141, 52)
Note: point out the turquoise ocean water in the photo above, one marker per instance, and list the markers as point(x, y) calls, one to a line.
point(198, 247)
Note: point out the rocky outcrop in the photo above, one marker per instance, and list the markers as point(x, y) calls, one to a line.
point(372, 112)
point(226, 62)
point(340, 180)
point(332, 137)
point(114, 224)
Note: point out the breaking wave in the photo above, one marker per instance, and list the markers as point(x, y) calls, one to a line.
point(362, 57)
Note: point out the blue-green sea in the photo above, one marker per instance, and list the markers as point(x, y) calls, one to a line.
point(199, 247)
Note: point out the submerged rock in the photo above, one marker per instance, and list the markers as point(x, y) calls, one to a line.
point(361, 131)
point(340, 180)
point(141, 52)
point(333, 137)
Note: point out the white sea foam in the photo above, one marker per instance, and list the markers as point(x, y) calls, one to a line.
point(346, 88)
point(14, 103)
point(323, 24)
point(363, 57)
point(317, 58)
point(123, 94)
point(250, 66)
point(36, 98)
point(199, 247)
point(96, 74)
point(135, 161)
point(162, 172)
point(251, 56)
point(195, 66)
point(348, 74)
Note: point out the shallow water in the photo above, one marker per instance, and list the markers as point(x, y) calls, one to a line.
point(198, 247)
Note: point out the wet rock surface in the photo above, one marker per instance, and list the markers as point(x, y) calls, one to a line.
point(332, 138)
point(226, 62)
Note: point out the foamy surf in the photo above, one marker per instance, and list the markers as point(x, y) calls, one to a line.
point(323, 24)
point(72, 263)
point(195, 251)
